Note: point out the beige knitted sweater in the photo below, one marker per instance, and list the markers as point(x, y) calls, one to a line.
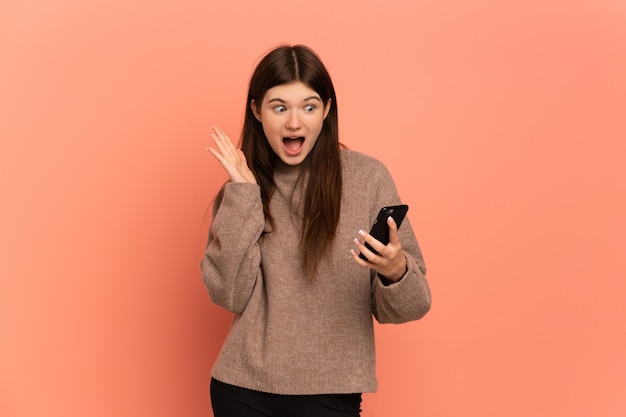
point(291, 335)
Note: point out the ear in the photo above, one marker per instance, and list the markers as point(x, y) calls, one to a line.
point(327, 108)
point(255, 111)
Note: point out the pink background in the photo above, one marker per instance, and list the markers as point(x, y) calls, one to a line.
point(503, 124)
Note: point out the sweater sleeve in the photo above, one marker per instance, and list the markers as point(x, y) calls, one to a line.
point(409, 298)
point(231, 264)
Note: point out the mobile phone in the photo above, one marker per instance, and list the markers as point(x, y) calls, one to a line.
point(380, 229)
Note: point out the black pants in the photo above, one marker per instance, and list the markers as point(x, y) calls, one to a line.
point(231, 401)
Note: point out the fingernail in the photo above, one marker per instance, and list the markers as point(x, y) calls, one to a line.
point(356, 242)
point(361, 232)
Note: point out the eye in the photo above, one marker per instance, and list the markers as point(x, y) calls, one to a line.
point(309, 108)
point(280, 109)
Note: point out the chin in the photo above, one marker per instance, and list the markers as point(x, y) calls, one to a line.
point(292, 161)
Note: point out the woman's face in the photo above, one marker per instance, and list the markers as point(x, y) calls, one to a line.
point(292, 116)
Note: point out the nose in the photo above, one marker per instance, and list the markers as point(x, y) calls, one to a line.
point(293, 120)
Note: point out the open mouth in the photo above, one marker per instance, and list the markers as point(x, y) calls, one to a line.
point(293, 146)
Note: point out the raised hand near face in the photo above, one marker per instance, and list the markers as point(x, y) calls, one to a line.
point(231, 158)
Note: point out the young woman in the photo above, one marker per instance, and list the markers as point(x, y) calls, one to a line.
point(283, 252)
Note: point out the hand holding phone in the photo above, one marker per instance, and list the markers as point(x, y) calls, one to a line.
point(380, 228)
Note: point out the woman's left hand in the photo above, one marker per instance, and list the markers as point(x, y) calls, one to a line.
point(390, 261)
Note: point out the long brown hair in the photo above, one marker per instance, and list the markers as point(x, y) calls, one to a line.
point(322, 192)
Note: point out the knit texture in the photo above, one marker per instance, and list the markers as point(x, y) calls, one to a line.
point(290, 334)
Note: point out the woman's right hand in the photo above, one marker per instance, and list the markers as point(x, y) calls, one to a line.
point(231, 158)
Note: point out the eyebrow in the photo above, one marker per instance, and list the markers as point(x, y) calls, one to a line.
point(280, 100)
